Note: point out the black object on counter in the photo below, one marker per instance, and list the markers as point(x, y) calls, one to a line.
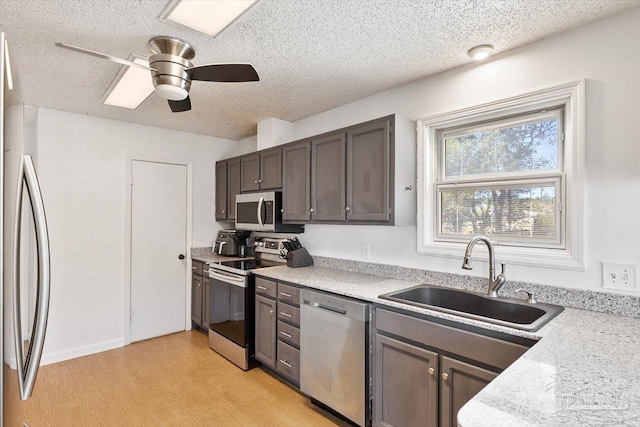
point(299, 258)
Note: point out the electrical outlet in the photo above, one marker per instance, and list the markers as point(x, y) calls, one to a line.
point(366, 251)
point(618, 276)
point(197, 240)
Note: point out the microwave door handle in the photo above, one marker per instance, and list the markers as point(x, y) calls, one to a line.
point(260, 202)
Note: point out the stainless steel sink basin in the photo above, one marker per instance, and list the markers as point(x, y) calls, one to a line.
point(501, 311)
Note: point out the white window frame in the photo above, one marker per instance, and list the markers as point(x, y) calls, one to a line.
point(569, 96)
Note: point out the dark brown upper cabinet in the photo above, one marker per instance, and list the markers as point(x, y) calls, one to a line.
point(250, 173)
point(368, 172)
point(296, 182)
point(233, 187)
point(328, 178)
point(221, 190)
point(261, 171)
point(271, 169)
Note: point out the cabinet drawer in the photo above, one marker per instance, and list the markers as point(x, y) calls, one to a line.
point(289, 333)
point(289, 313)
point(266, 287)
point(289, 294)
point(197, 267)
point(288, 361)
point(485, 349)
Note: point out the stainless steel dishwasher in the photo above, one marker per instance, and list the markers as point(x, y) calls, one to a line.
point(335, 353)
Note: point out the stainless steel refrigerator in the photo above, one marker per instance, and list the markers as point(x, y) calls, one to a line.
point(24, 308)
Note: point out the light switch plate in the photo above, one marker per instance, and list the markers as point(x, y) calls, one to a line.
point(618, 276)
point(366, 251)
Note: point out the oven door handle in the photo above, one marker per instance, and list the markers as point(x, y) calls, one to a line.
point(228, 278)
point(259, 213)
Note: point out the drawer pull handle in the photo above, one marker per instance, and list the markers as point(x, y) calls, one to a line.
point(286, 334)
point(262, 288)
point(284, 294)
point(287, 364)
point(194, 268)
point(286, 314)
point(445, 377)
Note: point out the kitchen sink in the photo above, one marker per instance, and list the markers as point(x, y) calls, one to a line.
point(509, 312)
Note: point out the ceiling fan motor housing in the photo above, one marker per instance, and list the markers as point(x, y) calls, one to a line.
point(169, 62)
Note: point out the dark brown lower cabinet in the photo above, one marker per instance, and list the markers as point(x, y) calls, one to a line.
point(460, 381)
point(418, 380)
point(265, 339)
point(196, 299)
point(406, 384)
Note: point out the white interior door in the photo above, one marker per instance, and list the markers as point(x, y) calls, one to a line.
point(158, 237)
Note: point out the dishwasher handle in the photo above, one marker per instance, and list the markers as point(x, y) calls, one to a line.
point(325, 307)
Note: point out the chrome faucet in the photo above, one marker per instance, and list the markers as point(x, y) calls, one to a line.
point(495, 283)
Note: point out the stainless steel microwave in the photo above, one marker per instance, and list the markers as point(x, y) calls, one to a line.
point(263, 212)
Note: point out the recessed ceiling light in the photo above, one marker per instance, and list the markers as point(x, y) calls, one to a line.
point(207, 16)
point(480, 52)
point(131, 86)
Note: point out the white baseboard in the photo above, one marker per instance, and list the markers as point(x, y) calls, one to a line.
point(61, 356)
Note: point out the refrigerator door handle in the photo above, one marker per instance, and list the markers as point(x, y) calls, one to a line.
point(28, 366)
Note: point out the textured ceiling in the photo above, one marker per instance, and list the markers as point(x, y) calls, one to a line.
point(311, 55)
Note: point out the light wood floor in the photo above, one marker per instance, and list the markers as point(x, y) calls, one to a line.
point(175, 380)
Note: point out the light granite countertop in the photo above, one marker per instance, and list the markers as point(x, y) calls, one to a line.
point(584, 371)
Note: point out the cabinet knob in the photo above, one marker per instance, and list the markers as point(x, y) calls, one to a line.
point(260, 181)
point(431, 371)
point(270, 311)
point(255, 182)
point(282, 210)
point(347, 209)
point(223, 211)
point(445, 376)
point(311, 210)
point(199, 284)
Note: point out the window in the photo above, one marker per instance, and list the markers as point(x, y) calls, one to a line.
point(512, 170)
point(502, 179)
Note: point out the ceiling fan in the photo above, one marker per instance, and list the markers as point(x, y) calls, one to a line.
point(172, 71)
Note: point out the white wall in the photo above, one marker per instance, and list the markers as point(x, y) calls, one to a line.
point(607, 54)
point(82, 173)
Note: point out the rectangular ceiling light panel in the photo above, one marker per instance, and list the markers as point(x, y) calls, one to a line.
point(131, 86)
point(207, 16)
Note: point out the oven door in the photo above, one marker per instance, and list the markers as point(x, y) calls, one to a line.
point(227, 311)
point(255, 212)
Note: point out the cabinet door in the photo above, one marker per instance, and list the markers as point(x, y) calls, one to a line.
point(206, 302)
point(406, 384)
point(250, 173)
point(233, 187)
point(266, 331)
point(271, 169)
point(328, 178)
point(460, 382)
point(221, 190)
point(196, 300)
point(368, 163)
point(296, 182)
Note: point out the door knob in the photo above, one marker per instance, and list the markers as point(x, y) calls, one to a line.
point(180, 256)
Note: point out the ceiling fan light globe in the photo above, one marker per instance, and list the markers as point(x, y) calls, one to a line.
point(170, 92)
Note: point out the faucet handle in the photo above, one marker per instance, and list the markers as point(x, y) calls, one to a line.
point(531, 298)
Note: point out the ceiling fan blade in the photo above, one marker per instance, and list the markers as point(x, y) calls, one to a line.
point(230, 73)
point(180, 106)
point(103, 56)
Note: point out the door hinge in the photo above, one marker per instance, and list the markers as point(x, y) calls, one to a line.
point(562, 136)
point(560, 207)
